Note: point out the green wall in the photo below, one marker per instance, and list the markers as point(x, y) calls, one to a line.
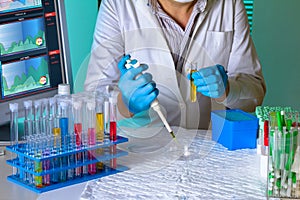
point(81, 18)
point(276, 34)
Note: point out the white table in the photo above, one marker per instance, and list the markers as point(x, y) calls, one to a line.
point(205, 170)
point(194, 167)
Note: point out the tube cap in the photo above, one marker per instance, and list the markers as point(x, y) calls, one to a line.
point(64, 89)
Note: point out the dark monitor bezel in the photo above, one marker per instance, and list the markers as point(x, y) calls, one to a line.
point(65, 71)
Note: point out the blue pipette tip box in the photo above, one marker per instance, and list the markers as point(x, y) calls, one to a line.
point(234, 129)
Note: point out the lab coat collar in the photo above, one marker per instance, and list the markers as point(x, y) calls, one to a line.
point(200, 5)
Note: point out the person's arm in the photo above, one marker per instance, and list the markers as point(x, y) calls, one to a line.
point(246, 83)
point(107, 49)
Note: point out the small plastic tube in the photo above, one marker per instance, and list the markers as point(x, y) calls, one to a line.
point(14, 132)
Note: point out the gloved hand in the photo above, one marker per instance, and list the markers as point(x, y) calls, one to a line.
point(211, 81)
point(137, 92)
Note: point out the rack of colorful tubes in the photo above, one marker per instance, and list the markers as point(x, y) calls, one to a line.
point(283, 180)
point(42, 170)
point(66, 139)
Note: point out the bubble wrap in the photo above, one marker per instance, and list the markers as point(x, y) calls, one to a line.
point(204, 170)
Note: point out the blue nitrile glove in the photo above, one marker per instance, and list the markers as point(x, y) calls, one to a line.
point(211, 81)
point(137, 93)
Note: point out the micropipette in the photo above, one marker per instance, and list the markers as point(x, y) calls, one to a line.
point(155, 104)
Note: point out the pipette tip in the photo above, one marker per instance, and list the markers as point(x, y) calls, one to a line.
point(172, 134)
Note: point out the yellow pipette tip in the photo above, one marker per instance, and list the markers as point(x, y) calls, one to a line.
point(172, 134)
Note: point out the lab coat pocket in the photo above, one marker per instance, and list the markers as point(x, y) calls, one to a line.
point(218, 46)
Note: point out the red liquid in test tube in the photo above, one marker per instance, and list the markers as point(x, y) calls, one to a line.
point(113, 131)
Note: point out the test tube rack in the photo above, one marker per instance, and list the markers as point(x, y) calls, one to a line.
point(280, 141)
point(107, 156)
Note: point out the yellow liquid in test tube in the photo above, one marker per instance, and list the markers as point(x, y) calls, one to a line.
point(193, 92)
point(99, 137)
point(99, 127)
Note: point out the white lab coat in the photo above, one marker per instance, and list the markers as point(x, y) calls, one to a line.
point(221, 36)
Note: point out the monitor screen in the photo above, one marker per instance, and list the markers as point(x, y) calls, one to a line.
point(34, 52)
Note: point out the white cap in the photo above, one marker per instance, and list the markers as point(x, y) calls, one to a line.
point(64, 89)
point(37, 103)
point(77, 104)
point(90, 105)
point(13, 107)
point(113, 100)
point(27, 104)
point(52, 101)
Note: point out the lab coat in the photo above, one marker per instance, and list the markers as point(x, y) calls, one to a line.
point(221, 36)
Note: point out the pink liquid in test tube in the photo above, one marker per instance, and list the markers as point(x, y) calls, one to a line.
point(91, 153)
point(78, 133)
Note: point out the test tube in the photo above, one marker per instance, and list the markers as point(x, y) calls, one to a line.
point(84, 137)
point(106, 118)
point(45, 116)
point(113, 128)
point(113, 118)
point(193, 88)
point(38, 168)
point(64, 131)
point(46, 163)
point(99, 119)
point(54, 116)
point(46, 138)
point(14, 132)
point(77, 111)
point(28, 119)
point(37, 116)
point(99, 127)
point(91, 133)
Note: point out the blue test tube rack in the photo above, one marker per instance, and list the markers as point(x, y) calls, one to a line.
point(105, 157)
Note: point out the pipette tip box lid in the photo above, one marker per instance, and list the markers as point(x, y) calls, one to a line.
point(234, 129)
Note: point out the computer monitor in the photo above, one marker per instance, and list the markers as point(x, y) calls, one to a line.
point(34, 53)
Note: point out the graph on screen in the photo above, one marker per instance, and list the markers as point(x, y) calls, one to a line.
point(22, 36)
point(11, 5)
